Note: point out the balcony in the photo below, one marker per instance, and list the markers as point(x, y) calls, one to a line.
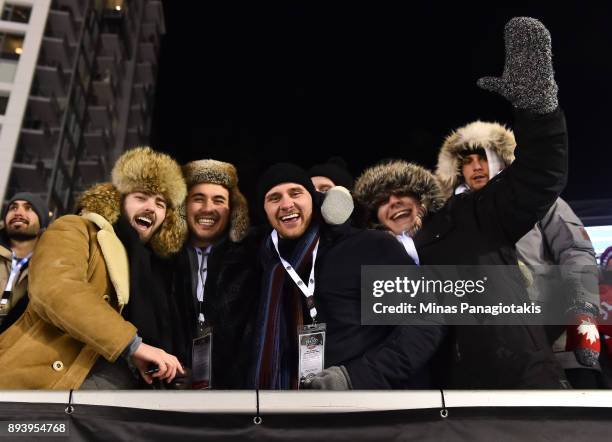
point(145, 73)
point(51, 80)
point(154, 13)
point(39, 143)
point(111, 65)
point(97, 142)
point(91, 171)
point(134, 137)
point(56, 52)
point(30, 177)
point(100, 116)
point(138, 115)
point(60, 24)
point(111, 46)
point(147, 52)
point(105, 90)
point(141, 93)
point(45, 109)
point(77, 7)
point(150, 33)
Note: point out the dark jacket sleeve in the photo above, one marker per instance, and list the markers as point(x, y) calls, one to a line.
point(406, 350)
point(512, 202)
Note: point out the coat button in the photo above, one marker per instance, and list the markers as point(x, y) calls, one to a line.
point(106, 298)
point(58, 366)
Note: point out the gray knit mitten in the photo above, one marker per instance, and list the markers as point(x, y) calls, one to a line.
point(332, 378)
point(337, 206)
point(528, 79)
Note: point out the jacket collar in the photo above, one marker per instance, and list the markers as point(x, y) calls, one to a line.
point(115, 256)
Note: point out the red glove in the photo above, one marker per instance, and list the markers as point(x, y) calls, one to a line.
point(583, 339)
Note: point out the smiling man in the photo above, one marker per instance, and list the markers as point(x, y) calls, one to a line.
point(97, 295)
point(216, 281)
point(481, 227)
point(557, 250)
point(472, 155)
point(355, 356)
point(288, 208)
point(25, 218)
point(397, 196)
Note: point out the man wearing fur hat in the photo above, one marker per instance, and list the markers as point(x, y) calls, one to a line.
point(96, 298)
point(216, 279)
point(557, 251)
point(356, 356)
point(26, 216)
point(481, 228)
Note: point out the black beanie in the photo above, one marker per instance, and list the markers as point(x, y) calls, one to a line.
point(284, 173)
point(39, 206)
point(336, 170)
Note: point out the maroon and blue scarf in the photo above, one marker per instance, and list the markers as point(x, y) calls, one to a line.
point(280, 314)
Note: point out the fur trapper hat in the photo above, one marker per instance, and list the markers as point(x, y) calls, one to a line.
point(470, 138)
point(143, 170)
point(377, 183)
point(223, 174)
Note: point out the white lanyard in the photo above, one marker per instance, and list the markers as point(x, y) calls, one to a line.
point(202, 255)
point(408, 243)
point(307, 290)
point(16, 267)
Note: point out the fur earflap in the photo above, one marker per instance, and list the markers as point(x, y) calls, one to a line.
point(171, 236)
point(223, 174)
point(377, 183)
point(105, 200)
point(474, 136)
point(143, 169)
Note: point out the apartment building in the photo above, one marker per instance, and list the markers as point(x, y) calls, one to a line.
point(77, 86)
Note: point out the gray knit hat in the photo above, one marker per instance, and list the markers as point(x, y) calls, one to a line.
point(39, 206)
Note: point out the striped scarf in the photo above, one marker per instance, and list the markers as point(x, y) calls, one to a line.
point(280, 314)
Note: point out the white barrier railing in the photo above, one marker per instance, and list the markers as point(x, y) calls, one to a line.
point(314, 401)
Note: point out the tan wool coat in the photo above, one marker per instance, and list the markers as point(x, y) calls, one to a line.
point(78, 283)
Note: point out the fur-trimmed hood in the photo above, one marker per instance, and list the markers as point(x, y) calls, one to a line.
point(377, 183)
point(105, 200)
point(223, 174)
point(476, 135)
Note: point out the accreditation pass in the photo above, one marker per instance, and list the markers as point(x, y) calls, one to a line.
point(311, 350)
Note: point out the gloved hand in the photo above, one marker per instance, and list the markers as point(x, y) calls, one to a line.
point(528, 79)
point(583, 336)
point(332, 378)
point(337, 206)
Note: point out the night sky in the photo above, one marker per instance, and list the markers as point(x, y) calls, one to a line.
point(256, 84)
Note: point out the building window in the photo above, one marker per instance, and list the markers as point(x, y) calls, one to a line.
point(10, 50)
point(3, 102)
point(10, 46)
point(16, 13)
point(114, 5)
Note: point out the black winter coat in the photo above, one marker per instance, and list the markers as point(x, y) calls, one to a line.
point(376, 357)
point(481, 228)
point(231, 294)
